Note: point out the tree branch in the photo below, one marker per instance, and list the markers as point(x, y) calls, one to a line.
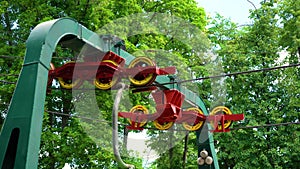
point(252, 4)
point(10, 57)
point(7, 82)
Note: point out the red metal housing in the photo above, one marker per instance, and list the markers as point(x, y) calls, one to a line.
point(111, 66)
point(168, 110)
point(219, 120)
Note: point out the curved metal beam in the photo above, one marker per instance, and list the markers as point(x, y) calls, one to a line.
point(21, 132)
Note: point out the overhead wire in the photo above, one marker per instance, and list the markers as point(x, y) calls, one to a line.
point(9, 75)
point(152, 128)
point(206, 77)
point(234, 73)
point(7, 82)
point(185, 81)
point(11, 57)
point(70, 115)
point(265, 125)
point(22, 57)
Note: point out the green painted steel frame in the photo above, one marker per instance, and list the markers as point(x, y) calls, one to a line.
point(21, 132)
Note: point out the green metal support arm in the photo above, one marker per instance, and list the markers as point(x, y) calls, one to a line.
point(21, 132)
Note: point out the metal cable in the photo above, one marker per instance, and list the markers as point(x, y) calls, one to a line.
point(120, 87)
point(234, 73)
point(7, 82)
point(152, 128)
point(9, 75)
point(208, 77)
point(265, 125)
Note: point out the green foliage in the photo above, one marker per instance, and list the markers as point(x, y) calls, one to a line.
point(290, 34)
point(65, 139)
point(170, 147)
point(264, 98)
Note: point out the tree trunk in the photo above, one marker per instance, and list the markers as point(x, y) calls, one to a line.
point(186, 140)
point(125, 137)
point(171, 147)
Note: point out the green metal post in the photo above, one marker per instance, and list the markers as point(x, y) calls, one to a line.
point(21, 132)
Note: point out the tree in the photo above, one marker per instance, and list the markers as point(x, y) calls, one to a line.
point(289, 13)
point(261, 96)
point(63, 139)
point(185, 56)
point(265, 97)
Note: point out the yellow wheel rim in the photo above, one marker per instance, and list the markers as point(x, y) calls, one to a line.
point(68, 84)
point(146, 80)
point(139, 109)
point(223, 110)
point(195, 126)
point(164, 126)
point(104, 86)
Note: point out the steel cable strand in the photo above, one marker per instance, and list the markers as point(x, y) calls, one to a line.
point(120, 87)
